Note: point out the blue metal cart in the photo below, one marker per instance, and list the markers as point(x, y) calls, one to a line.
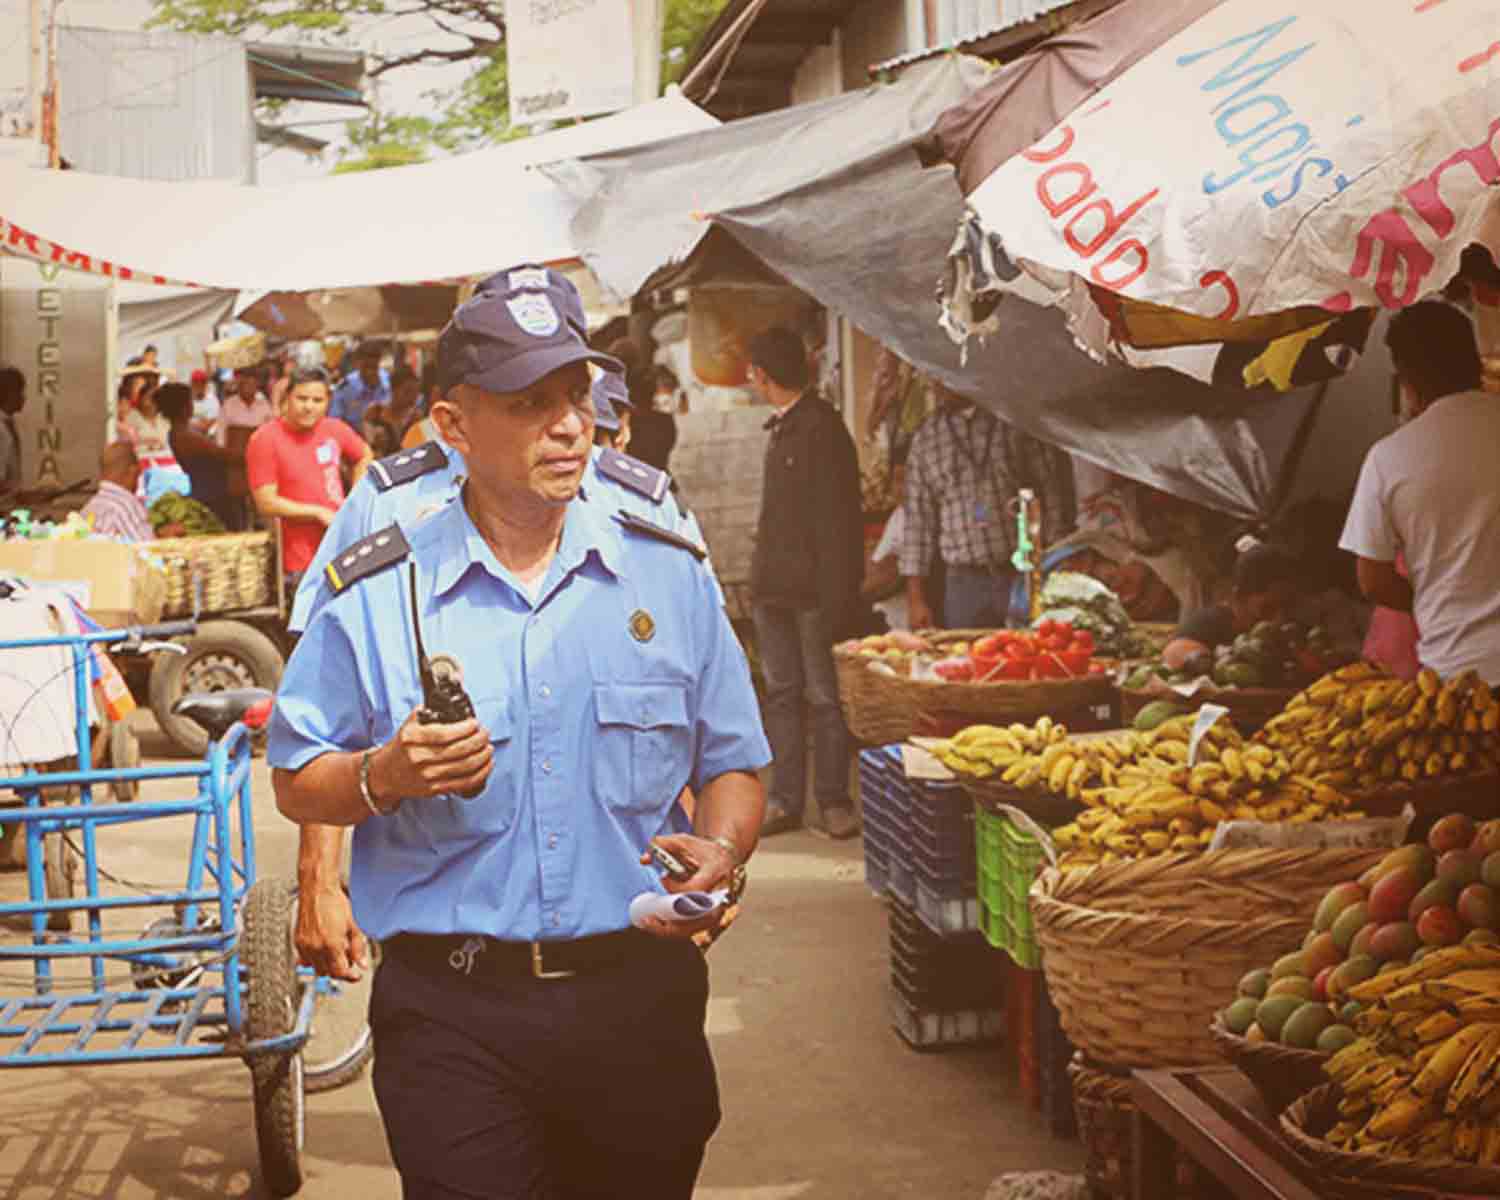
point(214, 971)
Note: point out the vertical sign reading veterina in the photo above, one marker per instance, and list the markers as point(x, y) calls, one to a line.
point(568, 58)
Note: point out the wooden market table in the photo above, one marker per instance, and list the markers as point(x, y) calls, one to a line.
point(1215, 1117)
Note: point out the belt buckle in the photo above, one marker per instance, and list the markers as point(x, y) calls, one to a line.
point(538, 969)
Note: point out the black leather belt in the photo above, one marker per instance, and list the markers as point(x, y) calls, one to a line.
point(437, 954)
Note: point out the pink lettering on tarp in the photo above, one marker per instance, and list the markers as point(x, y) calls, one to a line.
point(1222, 279)
point(1111, 223)
point(1475, 61)
point(1142, 263)
point(1425, 195)
point(1388, 234)
point(1056, 205)
point(1037, 155)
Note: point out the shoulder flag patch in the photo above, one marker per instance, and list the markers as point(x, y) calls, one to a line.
point(644, 527)
point(635, 475)
point(396, 469)
point(366, 556)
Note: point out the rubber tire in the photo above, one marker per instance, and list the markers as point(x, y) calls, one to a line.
point(346, 1070)
point(256, 653)
point(124, 751)
point(270, 966)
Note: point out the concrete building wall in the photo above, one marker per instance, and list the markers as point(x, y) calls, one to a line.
point(875, 31)
point(822, 72)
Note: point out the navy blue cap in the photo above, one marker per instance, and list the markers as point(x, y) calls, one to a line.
point(533, 277)
point(609, 397)
point(504, 341)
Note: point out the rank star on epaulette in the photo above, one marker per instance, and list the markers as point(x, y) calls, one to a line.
point(366, 556)
point(396, 469)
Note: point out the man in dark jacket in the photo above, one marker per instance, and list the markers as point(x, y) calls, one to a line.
point(805, 581)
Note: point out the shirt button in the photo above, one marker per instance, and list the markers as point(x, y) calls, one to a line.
point(547, 766)
point(557, 918)
point(546, 692)
point(552, 842)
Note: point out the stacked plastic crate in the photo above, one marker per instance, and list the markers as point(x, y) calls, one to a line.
point(943, 991)
point(886, 817)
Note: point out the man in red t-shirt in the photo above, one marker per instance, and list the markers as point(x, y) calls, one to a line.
point(293, 463)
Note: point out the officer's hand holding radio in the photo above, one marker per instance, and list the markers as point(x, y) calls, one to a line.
point(425, 760)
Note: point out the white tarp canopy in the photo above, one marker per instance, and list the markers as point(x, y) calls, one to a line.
point(455, 217)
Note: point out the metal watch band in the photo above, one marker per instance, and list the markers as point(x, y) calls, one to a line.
point(364, 787)
point(734, 851)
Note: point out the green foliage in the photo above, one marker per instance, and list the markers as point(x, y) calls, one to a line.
point(474, 113)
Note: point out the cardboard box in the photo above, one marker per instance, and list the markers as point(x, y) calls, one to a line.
point(113, 581)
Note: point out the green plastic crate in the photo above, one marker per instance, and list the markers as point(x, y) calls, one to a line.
point(1008, 862)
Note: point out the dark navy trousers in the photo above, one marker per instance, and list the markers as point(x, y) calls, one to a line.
point(514, 1088)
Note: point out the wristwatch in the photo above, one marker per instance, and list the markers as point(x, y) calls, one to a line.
point(364, 787)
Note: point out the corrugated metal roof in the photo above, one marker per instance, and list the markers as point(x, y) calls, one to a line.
point(155, 105)
point(1033, 21)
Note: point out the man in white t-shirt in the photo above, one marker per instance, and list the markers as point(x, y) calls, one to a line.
point(1431, 491)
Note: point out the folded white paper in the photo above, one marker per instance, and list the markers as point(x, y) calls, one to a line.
point(684, 906)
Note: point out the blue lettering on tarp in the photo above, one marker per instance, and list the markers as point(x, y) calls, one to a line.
point(1277, 142)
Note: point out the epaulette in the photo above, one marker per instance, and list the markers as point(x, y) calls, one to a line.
point(366, 556)
point(642, 526)
point(396, 469)
point(634, 474)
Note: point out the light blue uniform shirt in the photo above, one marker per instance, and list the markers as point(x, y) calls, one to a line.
point(352, 397)
point(596, 729)
point(367, 509)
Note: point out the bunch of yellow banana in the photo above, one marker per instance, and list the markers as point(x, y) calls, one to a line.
point(1160, 804)
point(1424, 1079)
point(982, 751)
point(1358, 729)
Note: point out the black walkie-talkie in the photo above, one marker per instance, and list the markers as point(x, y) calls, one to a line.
point(444, 701)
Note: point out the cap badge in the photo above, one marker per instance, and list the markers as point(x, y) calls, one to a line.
point(642, 625)
point(529, 277)
point(534, 313)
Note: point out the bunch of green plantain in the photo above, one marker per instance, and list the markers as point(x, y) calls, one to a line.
point(1360, 730)
point(1423, 1079)
point(195, 517)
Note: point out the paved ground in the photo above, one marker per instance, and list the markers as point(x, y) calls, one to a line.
point(821, 1098)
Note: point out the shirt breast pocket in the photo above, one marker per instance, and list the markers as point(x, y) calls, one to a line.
point(645, 744)
point(493, 811)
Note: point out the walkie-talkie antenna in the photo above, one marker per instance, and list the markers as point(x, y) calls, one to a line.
point(423, 666)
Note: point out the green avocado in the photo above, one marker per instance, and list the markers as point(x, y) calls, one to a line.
point(1242, 674)
point(1140, 677)
point(1155, 713)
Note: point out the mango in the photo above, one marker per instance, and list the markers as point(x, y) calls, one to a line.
point(1392, 896)
point(1255, 983)
point(1489, 870)
point(1482, 937)
point(1478, 907)
point(1289, 964)
point(1453, 832)
point(1255, 1034)
point(1395, 942)
point(1334, 903)
point(1335, 1038)
point(1322, 952)
point(1304, 1026)
point(1460, 868)
point(1349, 922)
point(1439, 926)
point(1439, 893)
point(1273, 1012)
point(1486, 839)
point(1415, 857)
point(1292, 985)
point(1240, 1015)
point(1361, 943)
point(1347, 974)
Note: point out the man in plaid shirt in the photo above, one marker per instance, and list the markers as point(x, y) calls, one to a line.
point(964, 470)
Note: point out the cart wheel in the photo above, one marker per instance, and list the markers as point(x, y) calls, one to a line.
point(220, 656)
point(270, 966)
point(340, 1045)
point(124, 752)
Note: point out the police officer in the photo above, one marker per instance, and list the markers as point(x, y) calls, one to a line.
point(610, 402)
point(528, 1041)
point(403, 488)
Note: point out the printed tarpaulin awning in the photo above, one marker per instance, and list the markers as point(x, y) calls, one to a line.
point(1267, 169)
point(448, 219)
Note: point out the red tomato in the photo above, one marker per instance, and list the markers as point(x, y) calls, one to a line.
point(1047, 628)
point(1055, 642)
point(1075, 660)
point(1049, 666)
point(989, 646)
point(1083, 639)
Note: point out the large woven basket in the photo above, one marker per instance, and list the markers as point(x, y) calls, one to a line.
point(1105, 1111)
point(1281, 1074)
point(233, 569)
point(1012, 700)
point(1340, 1175)
point(1249, 708)
point(875, 715)
point(1140, 955)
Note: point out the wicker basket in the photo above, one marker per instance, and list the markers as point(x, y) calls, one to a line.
point(875, 715)
point(1340, 1175)
point(1249, 708)
point(1015, 700)
point(1281, 1074)
point(1106, 1112)
point(233, 569)
point(1140, 955)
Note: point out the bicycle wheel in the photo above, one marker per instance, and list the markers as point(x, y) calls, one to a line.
point(270, 966)
point(339, 1046)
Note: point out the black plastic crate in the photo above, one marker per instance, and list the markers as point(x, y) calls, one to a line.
point(952, 984)
point(926, 1029)
point(915, 937)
